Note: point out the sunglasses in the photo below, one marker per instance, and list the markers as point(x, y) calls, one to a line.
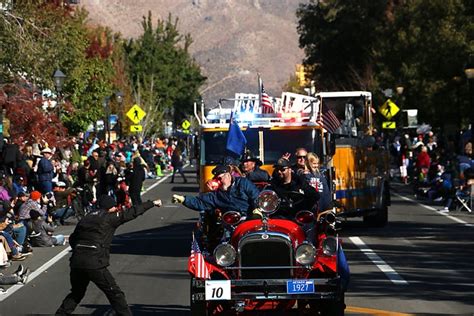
point(282, 169)
point(301, 157)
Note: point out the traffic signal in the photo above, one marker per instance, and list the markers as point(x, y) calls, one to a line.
point(301, 75)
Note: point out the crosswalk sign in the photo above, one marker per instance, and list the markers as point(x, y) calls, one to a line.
point(389, 125)
point(389, 109)
point(136, 128)
point(136, 114)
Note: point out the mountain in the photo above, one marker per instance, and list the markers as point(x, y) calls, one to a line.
point(233, 39)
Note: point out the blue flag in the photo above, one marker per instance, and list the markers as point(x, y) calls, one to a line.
point(236, 140)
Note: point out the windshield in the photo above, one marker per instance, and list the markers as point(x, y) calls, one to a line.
point(213, 145)
point(278, 142)
point(275, 143)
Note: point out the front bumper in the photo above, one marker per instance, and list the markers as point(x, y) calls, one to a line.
point(272, 289)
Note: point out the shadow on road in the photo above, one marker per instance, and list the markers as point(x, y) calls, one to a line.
point(183, 189)
point(140, 309)
point(168, 241)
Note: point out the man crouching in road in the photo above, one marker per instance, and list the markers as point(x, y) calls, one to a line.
point(90, 244)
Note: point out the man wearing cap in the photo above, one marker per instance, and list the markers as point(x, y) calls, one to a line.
point(251, 169)
point(293, 189)
point(234, 194)
point(45, 171)
point(90, 243)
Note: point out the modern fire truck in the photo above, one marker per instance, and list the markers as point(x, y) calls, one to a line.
point(358, 170)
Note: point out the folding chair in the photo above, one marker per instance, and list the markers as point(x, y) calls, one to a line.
point(465, 198)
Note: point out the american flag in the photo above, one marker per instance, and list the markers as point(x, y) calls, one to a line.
point(266, 100)
point(196, 263)
point(328, 119)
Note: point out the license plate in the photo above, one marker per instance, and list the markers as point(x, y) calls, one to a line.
point(300, 286)
point(218, 290)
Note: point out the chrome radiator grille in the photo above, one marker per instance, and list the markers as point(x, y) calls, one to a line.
point(268, 251)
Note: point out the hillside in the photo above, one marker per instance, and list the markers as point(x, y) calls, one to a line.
point(233, 39)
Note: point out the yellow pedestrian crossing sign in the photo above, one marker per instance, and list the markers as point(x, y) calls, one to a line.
point(136, 128)
point(389, 125)
point(389, 109)
point(185, 125)
point(136, 114)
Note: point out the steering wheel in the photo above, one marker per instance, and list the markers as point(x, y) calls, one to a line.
point(292, 198)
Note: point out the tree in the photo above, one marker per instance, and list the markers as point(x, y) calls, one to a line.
point(374, 45)
point(425, 47)
point(339, 39)
point(28, 121)
point(40, 36)
point(165, 79)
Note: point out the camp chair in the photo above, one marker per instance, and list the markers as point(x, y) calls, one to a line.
point(466, 197)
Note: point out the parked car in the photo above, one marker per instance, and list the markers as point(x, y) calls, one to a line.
point(290, 264)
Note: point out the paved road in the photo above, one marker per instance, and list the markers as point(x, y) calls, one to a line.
point(425, 257)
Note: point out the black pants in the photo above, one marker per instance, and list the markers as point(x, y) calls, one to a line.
point(136, 198)
point(104, 280)
point(180, 171)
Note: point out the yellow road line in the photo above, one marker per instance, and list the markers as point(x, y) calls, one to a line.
point(371, 311)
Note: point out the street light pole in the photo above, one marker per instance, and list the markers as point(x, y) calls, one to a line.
point(59, 78)
point(119, 96)
point(469, 71)
point(106, 121)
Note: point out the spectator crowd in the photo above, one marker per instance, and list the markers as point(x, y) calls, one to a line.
point(43, 187)
point(441, 170)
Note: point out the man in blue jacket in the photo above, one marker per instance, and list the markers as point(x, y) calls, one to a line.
point(234, 194)
point(45, 172)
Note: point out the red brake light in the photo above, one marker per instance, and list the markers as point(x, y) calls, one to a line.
point(304, 217)
point(231, 218)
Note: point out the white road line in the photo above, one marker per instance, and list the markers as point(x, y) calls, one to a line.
point(460, 221)
point(391, 274)
point(59, 256)
point(37, 272)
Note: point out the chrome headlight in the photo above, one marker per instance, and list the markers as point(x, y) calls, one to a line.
point(329, 246)
point(305, 254)
point(225, 255)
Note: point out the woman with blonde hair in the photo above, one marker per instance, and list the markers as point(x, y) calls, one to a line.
point(318, 180)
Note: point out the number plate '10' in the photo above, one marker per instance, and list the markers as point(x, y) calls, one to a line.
point(218, 290)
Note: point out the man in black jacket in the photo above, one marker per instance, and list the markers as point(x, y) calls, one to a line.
point(295, 192)
point(90, 244)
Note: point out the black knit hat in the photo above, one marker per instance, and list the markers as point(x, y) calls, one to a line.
point(220, 169)
point(106, 202)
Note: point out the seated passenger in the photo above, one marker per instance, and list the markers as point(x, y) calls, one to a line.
point(251, 169)
point(295, 192)
point(234, 194)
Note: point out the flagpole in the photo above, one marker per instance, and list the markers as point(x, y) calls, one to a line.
point(259, 91)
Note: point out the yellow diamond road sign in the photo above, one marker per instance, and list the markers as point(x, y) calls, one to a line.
point(136, 114)
point(185, 125)
point(389, 109)
point(136, 128)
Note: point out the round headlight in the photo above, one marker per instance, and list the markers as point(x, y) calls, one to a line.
point(329, 246)
point(305, 254)
point(268, 201)
point(225, 255)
